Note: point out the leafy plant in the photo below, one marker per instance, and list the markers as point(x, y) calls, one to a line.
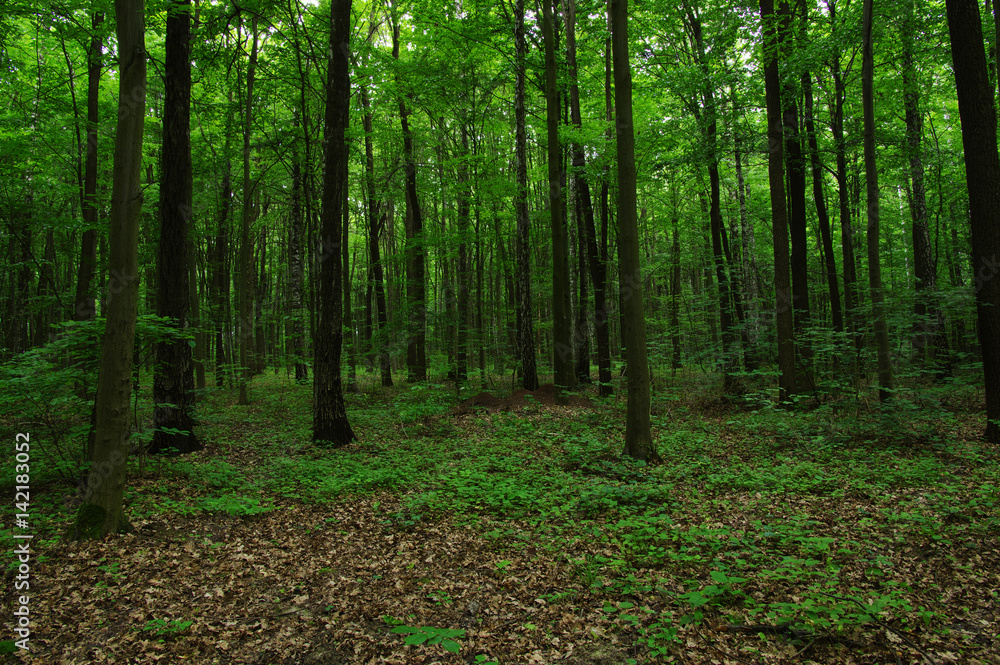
point(430, 635)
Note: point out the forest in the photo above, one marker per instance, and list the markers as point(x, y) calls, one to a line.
point(394, 331)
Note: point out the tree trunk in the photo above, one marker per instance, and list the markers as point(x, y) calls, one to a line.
point(982, 170)
point(85, 307)
point(173, 374)
point(464, 272)
point(245, 328)
point(830, 260)
point(675, 298)
point(562, 345)
point(101, 513)
point(779, 213)
point(297, 342)
point(525, 334)
point(416, 353)
point(638, 439)
point(330, 424)
point(375, 224)
point(928, 323)
point(871, 179)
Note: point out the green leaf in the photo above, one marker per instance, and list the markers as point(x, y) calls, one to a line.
point(451, 645)
point(416, 638)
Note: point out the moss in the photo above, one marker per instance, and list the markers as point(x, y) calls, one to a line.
point(89, 524)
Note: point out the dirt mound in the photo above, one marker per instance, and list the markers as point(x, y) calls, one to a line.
point(520, 399)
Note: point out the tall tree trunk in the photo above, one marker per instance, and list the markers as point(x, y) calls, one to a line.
point(638, 439)
point(982, 170)
point(562, 344)
point(584, 207)
point(464, 272)
point(297, 342)
point(199, 352)
point(675, 297)
point(830, 260)
point(871, 179)
point(748, 269)
point(779, 213)
point(796, 215)
point(245, 328)
point(351, 342)
point(416, 353)
point(851, 295)
point(928, 321)
point(173, 374)
point(525, 334)
point(330, 424)
point(101, 513)
point(222, 278)
point(710, 130)
point(85, 307)
point(375, 225)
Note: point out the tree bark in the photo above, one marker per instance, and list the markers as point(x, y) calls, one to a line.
point(297, 341)
point(85, 308)
point(562, 344)
point(416, 352)
point(101, 513)
point(871, 179)
point(638, 438)
point(245, 328)
point(330, 423)
point(982, 170)
point(779, 213)
point(173, 374)
point(525, 334)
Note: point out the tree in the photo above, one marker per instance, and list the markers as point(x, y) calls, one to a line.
point(173, 378)
point(246, 275)
point(330, 423)
point(982, 172)
point(562, 345)
point(525, 334)
point(101, 512)
point(871, 181)
point(638, 438)
point(779, 213)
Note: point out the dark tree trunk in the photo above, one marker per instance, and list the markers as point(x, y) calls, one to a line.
point(675, 298)
point(245, 327)
point(779, 214)
point(525, 334)
point(638, 439)
point(297, 342)
point(101, 513)
point(830, 260)
point(173, 375)
point(85, 307)
point(375, 224)
point(929, 322)
point(330, 424)
point(464, 272)
point(583, 208)
point(562, 344)
point(416, 352)
point(871, 179)
point(982, 170)
point(221, 277)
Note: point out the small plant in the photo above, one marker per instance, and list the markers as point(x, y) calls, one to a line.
point(430, 635)
point(234, 505)
point(164, 629)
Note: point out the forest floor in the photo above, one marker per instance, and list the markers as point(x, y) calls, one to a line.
point(485, 529)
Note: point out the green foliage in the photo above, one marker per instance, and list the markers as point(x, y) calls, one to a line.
point(165, 629)
point(429, 635)
point(234, 505)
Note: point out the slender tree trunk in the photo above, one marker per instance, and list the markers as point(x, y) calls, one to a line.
point(297, 342)
point(464, 272)
point(675, 297)
point(525, 334)
point(584, 208)
point(871, 178)
point(222, 279)
point(85, 306)
point(982, 170)
point(173, 374)
point(245, 328)
point(351, 342)
point(928, 317)
point(416, 353)
point(330, 424)
point(562, 345)
point(101, 513)
point(638, 439)
point(830, 260)
point(779, 214)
